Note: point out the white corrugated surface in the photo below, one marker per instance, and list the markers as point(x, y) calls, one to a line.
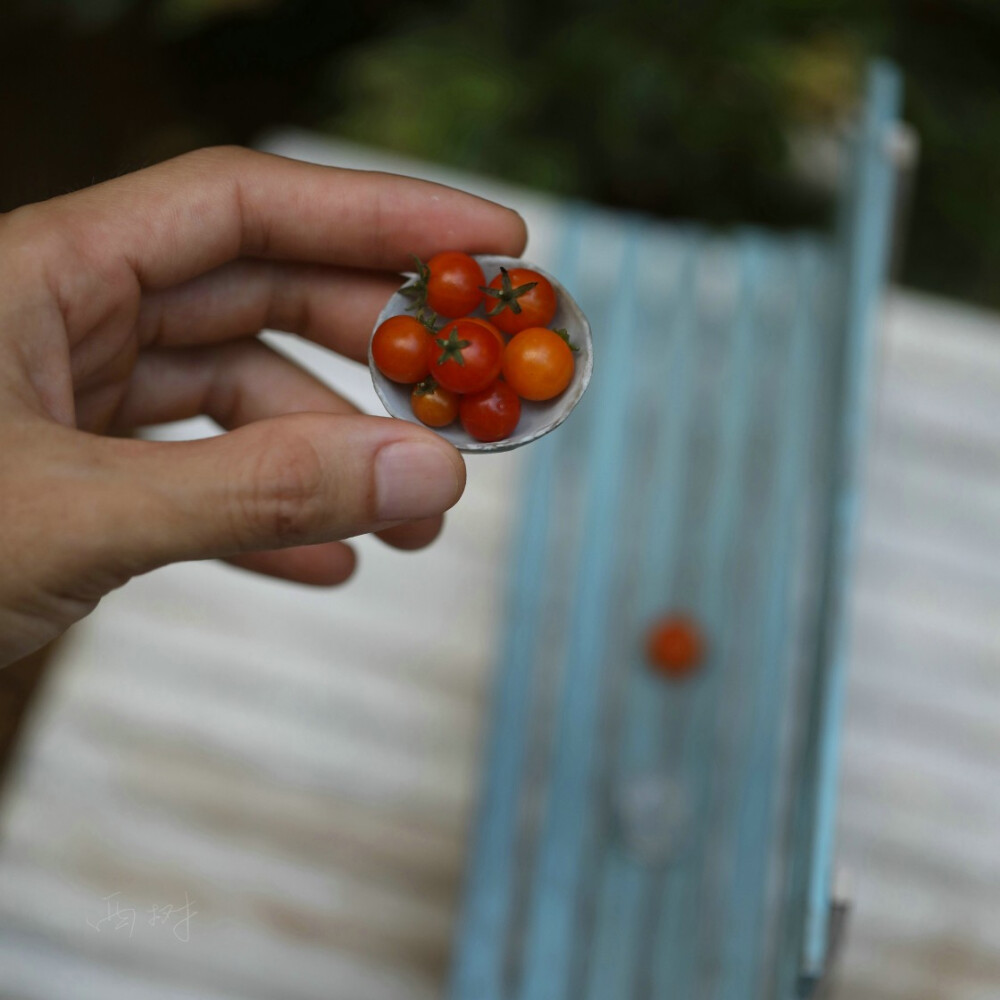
point(300, 765)
point(920, 805)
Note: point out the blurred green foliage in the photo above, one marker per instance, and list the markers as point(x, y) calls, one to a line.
point(677, 108)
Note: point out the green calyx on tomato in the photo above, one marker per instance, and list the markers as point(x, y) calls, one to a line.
point(426, 387)
point(425, 316)
point(507, 295)
point(564, 335)
point(451, 349)
point(417, 290)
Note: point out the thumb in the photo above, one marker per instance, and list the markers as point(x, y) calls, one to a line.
point(291, 480)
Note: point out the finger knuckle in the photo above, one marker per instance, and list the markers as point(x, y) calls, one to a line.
point(285, 503)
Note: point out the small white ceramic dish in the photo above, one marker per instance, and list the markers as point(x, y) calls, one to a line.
point(537, 419)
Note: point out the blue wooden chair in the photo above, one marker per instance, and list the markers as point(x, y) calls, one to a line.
point(641, 838)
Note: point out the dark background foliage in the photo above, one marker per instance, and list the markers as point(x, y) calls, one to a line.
point(679, 109)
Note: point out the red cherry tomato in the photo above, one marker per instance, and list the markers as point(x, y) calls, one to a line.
point(675, 646)
point(538, 363)
point(487, 325)
point(400, 347)
point(433, 404)
point(491, 414)
point(464, 356)
point(518, 299)
point(453, 281)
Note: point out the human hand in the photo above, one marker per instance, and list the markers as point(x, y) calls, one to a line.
point(138, 301)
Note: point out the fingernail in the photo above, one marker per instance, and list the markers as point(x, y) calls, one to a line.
point(413, 479)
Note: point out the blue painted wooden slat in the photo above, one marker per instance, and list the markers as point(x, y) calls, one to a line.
point(867, 259)
point(676, 967)
point(551, 928)
point(624, 881)
point(755, 789)
point(482, 937)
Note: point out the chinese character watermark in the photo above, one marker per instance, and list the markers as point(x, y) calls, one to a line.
point(180, 915)
point(118, 917)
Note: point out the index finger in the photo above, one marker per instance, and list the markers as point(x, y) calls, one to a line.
point(188, 215)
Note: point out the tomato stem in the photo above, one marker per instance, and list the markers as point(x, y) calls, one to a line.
point(564, 334)
point(417, 290)
point(426, 316)
point(507, 295)
point(451, 349)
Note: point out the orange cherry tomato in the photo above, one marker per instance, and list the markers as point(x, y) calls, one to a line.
point(675, 646)
point(519, 298)
point(538, 364)
point(491, 414)
point(434, 405)
point(400, 347)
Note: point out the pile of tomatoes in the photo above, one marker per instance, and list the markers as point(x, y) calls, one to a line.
point(462, 366)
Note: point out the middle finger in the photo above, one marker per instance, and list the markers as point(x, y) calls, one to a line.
point(334, 307)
